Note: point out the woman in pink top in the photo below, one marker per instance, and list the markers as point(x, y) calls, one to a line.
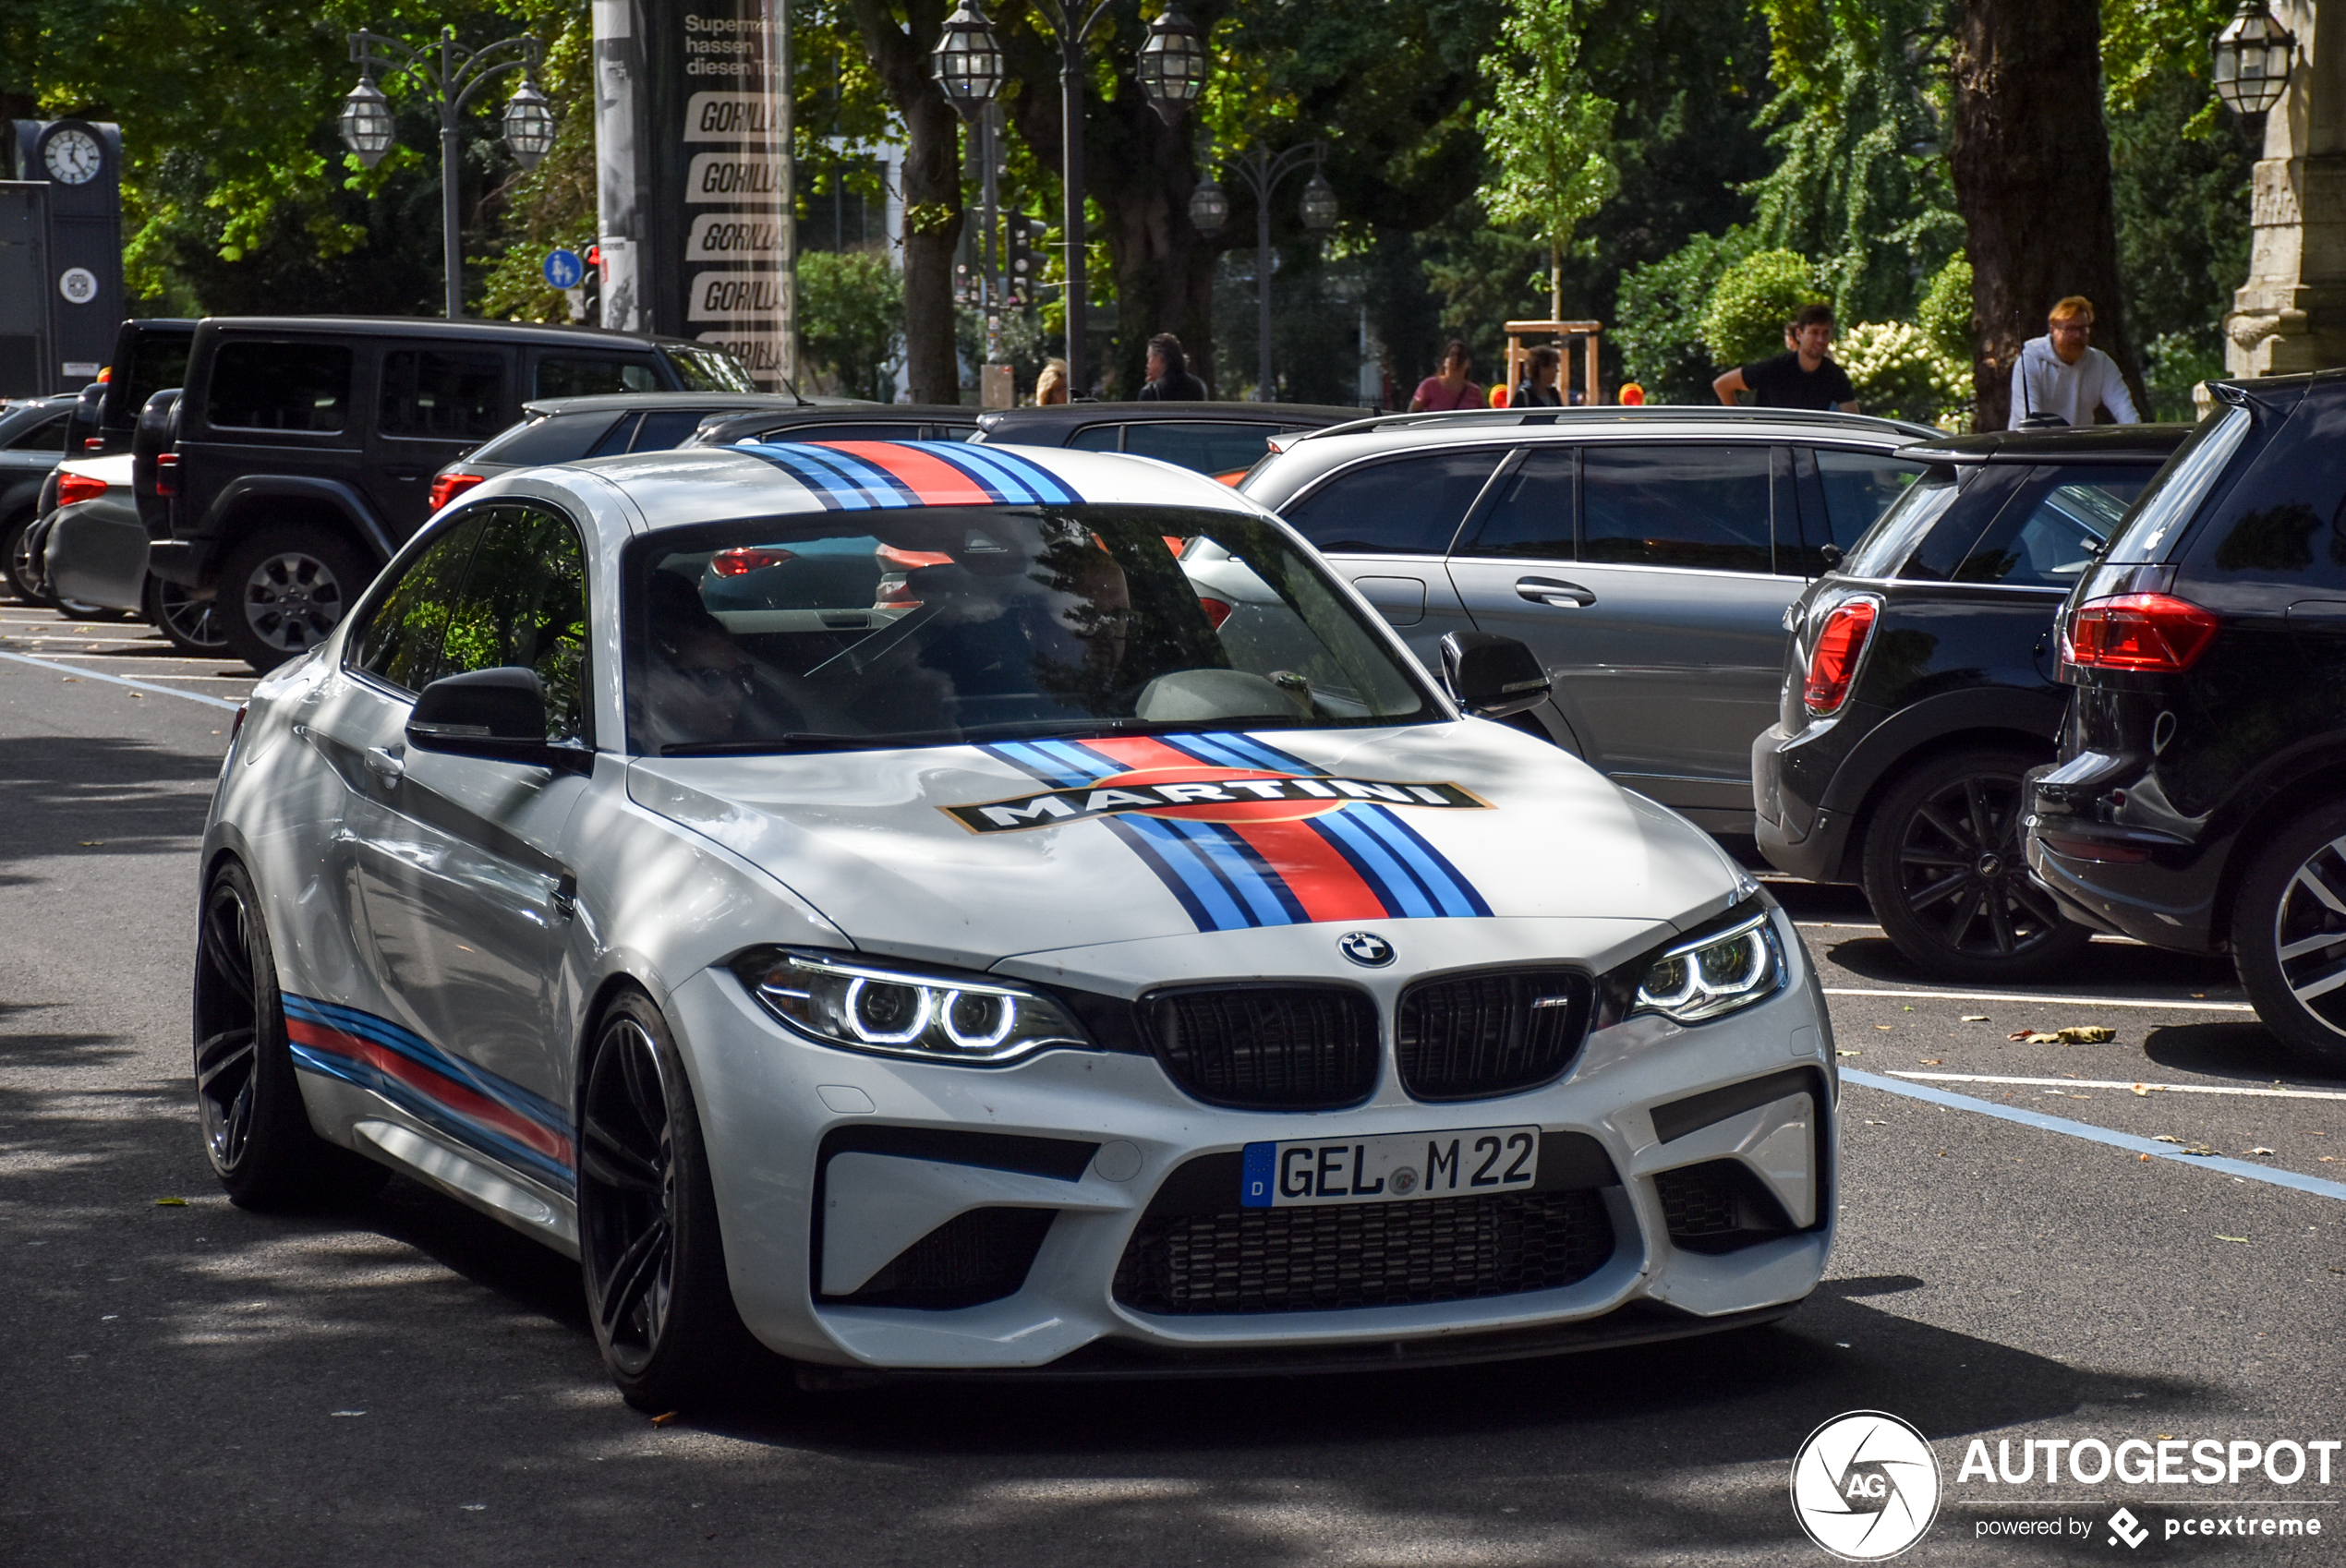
point(1452, 389)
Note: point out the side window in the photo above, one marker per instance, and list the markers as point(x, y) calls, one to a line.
point(524, 602)
point(401, 640)
point(443, 394)
point(1858, 487)
point(664, 428)
point(280, 386)
point(2048, 535)
point(49, 435)
point(159, 361)
point(1532, 516)
point(584, 376)
point(1098, 438)
point(1686, 504)
point(1206, 445)
point(1410, 507)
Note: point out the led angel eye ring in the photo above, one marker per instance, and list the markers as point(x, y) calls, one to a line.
point(1008, 1020)
point(856, 989)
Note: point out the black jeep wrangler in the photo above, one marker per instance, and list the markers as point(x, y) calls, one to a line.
point(301, 451)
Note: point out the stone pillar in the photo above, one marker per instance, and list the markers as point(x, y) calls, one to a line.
point(2291, 315)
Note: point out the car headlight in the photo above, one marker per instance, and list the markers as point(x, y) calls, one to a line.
point(1714, 973)
point(892, 1013)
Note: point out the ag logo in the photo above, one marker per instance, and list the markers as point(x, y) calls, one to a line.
point(1865, 1486)
point(1365, 948)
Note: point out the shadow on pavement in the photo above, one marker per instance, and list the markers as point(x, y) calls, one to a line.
point(2114, 968)
point(2245, 1053)
point(73, 795)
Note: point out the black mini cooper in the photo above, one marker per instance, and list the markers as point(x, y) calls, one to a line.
point(2199, 802)
point(1918, 688)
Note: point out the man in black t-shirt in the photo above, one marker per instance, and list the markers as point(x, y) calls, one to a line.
point(1803, 377)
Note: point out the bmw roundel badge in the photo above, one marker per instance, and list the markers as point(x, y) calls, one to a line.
point(1365, 948)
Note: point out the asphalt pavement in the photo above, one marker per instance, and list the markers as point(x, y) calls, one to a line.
point(2039, 1242)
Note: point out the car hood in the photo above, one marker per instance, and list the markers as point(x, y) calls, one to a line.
point(971, 854)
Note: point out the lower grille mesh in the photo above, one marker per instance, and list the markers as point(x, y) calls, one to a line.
point(1719, 1206)
point(1364, 1254)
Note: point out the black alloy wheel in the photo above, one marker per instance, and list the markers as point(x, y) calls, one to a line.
point(284, 590)
point(1946, 872)
point(17, 563)
point(192, 625)
point(2288, 936)
point(648, 1229)
point(256, 1130)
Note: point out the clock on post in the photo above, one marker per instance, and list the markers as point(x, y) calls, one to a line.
point(79, 162)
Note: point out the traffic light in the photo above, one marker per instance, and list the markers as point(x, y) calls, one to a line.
point(1019, 270)
point(592, 285)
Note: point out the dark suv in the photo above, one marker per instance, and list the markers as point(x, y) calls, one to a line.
point(303, 447)
point(1918, 688)
point(2199, 802)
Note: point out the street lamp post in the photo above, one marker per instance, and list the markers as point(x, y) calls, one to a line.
point(1262, 170)
point(967, 66)
point(453, 79)
point(2251, 57)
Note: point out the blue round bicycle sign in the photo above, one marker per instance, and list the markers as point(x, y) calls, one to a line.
point(564, 269)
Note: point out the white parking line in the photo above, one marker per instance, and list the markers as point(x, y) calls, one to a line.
point(2062, 1001)
point(119, 680)
point(2093, 1134)
point(2121, 1083)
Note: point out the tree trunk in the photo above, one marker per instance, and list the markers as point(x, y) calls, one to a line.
point(2031, 164)
point(900, 48)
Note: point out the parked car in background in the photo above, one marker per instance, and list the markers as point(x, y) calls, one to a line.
point(1225, 439)
point(32, 443)
point(1918, 688)
point(149, 354)
point(93, 551)
point(564, 430)
point(2199, 798)
point(839, 420)
point(303, 447)
point(1647, 555)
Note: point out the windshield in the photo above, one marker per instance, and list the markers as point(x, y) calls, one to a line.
point(1885, 546)
point(934, 626)
point(712, 369)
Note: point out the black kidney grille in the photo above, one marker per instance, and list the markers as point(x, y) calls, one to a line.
point(1282, 1047)
point(1364, 1254)
point(1482, 1034)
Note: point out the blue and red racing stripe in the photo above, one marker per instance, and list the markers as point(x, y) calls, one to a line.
point(1354, 860)
point(474, 1107)
point(862, 475)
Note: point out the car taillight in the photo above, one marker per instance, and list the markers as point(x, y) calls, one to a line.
point(2155, 633)
point(447, 487)
point(1832, 663)
point(72, 488)
point(1217, 610)
point(93, 443)
point(744, 559)
point(166, 473)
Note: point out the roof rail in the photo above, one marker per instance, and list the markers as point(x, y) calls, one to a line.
point(1486, 418)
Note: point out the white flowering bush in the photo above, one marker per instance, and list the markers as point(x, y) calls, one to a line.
point(1898, 370)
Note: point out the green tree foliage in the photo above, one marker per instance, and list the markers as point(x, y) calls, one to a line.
point(1660, 318)
point(1546, 133)
point(1745, 317)
point(1945, 311)
point(851, 310)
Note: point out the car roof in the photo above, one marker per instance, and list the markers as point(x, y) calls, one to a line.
point(1647, 420)
point(702, 484)
point(838, 412)
point(2083, 443)
point(1017, 422)
point(621, 403)
point(438, 327)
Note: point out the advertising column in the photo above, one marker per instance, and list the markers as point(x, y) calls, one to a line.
point(696, 173)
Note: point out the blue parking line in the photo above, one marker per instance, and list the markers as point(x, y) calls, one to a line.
point(121, 681)
point(2093, 1134)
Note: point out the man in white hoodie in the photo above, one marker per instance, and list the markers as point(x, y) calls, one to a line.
point(2062, 374)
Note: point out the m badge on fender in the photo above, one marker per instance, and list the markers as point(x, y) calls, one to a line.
point(1204, 796)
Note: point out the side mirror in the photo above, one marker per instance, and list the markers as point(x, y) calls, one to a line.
point(498, 715)
point(1491, 676)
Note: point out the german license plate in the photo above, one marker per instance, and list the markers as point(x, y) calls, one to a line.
point(1393, 1167)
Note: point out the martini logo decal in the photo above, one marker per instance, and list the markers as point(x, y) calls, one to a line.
point(1241, 834)
point(1203, 794)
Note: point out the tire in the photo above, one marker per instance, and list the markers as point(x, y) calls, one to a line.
point(283, 589)
point(192, 625)
point(1945, 872)
point(649, 1242)
point(17, 565)
point(2288, 936)
point(255, 1128)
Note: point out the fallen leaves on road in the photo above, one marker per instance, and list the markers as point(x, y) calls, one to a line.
point(171, 1203)
point(1975, 1018)
point(662, 1420)
point(2143, 1090)
point(1848, 1052)
point(2260, 1150)
point(2075, 1034)
point(2162, 1137)
point(2242, 1239)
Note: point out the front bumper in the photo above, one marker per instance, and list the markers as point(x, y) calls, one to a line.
point(829, 1165)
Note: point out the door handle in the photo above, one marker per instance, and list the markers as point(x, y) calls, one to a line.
point(1553, 591)
point(385, 763)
